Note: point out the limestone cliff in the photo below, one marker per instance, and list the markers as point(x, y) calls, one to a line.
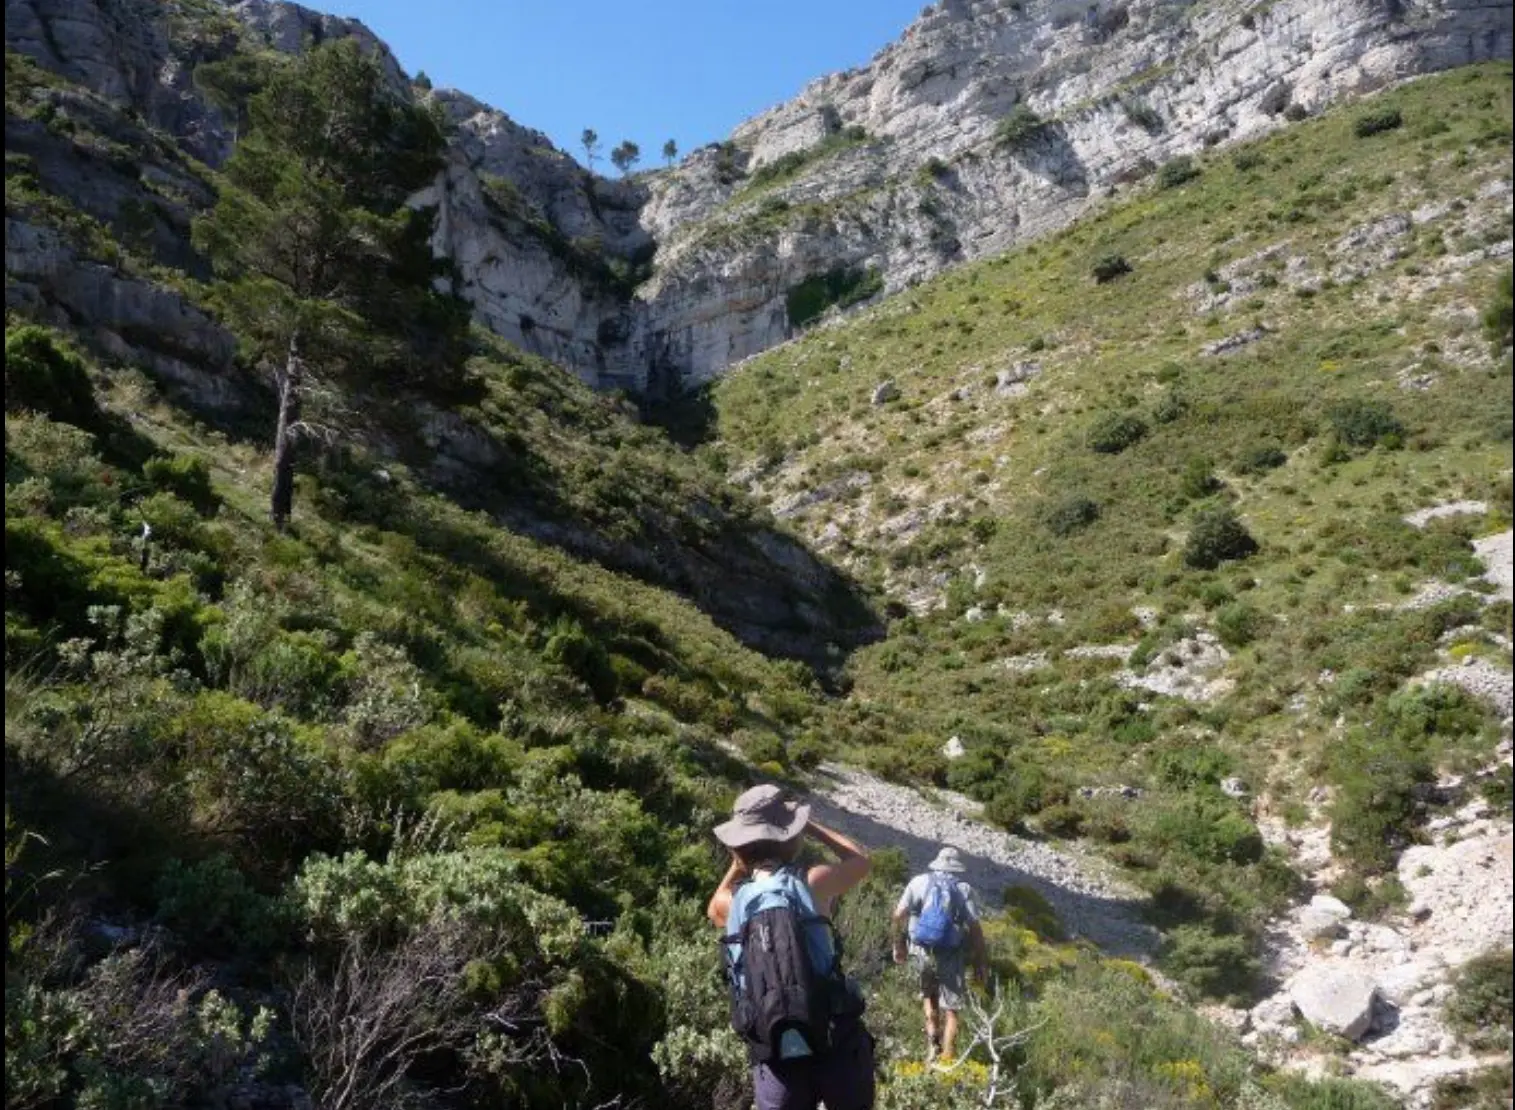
point(897, 169)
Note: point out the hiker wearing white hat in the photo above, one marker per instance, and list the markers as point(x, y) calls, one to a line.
point(936, 927)
point(798, 1014)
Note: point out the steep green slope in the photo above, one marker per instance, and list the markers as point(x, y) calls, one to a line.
point(435, 767)
point(1287, 336)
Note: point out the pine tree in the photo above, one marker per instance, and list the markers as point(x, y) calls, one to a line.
point(327, 269)
point(670, 151)
point(590, 140)
point(626, 155)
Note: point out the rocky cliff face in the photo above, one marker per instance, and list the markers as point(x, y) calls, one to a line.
point(106, 168)
point(895, 170)
point(929, 181)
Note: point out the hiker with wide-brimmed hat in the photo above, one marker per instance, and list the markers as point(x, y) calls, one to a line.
point(799, 1016)
point(936, 928)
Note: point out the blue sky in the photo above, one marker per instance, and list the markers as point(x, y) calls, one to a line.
point(644, 70)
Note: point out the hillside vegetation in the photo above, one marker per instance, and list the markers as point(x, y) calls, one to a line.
point(404, 802)
point(1138, 493)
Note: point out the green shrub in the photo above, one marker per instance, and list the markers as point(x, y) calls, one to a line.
point(1482, 1006)
point(1238, 624)
point(1202, 826)
point(841, 287)
point(1070, 515)
point(184, 477)
point(1062, 820)
point(1217, 535)
point(1261, 459)
point(1375, 807)
point(1248, 158)
point(1143, 115)
point(211, 905)
point(1030, 909)
point(1198, 478)
point(1193, 765)
point(1360, 423)
point(1023, 790)
point(1299, 1093)
point(1498, 317)
point(1020, 128)
point(1113, 432)
point(1177, 172)
point(44, 375)
point(1376, 121)
point(1491, 1088)
point(1109, 267)
point(570, 646)
point(1172, 407)
point(1213, 965)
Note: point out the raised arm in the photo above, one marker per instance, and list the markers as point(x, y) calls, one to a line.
point(720, 902)
point(828, 881)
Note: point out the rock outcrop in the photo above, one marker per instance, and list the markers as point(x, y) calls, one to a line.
point(988, 122)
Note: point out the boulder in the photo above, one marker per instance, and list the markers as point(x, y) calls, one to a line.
point(953, 748)
point(1336, 1000)
point(885, 392)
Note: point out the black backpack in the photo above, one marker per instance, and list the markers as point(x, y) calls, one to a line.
point(774, 988)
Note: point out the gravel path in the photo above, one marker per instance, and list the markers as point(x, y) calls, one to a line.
point(1498, 555)
point(1421, 517)
point(882, 815)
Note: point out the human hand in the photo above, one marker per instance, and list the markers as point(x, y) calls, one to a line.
point(900, 953)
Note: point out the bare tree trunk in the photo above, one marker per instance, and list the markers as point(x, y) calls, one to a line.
point(289, 381)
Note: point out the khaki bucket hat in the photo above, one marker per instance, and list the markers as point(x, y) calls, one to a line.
point(762, 813)
point(947, 860)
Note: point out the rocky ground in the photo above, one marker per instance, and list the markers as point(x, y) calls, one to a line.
point(1380, 987)
point(1089, 902)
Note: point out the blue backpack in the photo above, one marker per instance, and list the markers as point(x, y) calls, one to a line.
point(937, 925)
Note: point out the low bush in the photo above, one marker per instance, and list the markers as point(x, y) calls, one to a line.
point(1213, 965)
point(1176, 172)
point(1204, 827)
point(1113, 432)
point(44, 375)
point(184, 477)
point(1377, 121)
point(1071, 515)
point(1109, 267)
point(1216, 536)
point(1020, 128)
point(1143, 115)
point(1238, 624)
point(1360, 423)
point(1498, 317)
point(1482, 1006)
point(1261, 459)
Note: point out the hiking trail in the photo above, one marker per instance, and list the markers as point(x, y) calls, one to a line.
point(1090, 902)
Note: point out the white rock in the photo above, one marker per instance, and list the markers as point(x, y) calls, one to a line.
point(1327, 903)
point(1336, 1000)
point(953, 748)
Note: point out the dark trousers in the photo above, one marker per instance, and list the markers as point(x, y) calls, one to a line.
point(841, 1080)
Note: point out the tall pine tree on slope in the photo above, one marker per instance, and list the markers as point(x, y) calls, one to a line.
point(328, 272)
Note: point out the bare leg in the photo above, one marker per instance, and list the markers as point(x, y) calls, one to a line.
point(949, 1031)
point(929, 1005)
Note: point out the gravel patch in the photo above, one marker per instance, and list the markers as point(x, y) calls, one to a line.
point(1421, 517)
point(1089, 902)
point(1498, 555)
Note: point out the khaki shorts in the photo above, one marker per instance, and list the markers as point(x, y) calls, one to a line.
point(943, 975)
